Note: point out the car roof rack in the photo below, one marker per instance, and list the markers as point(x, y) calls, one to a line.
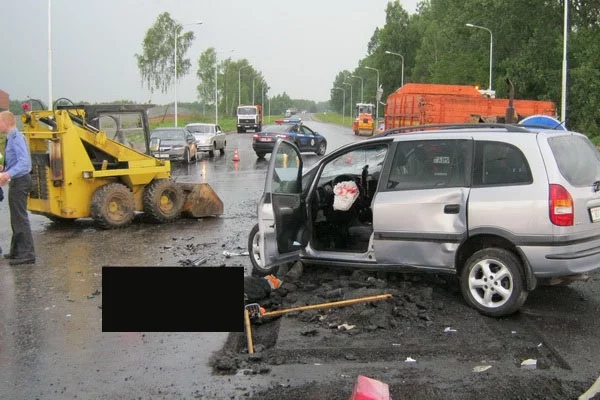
point(478, 125)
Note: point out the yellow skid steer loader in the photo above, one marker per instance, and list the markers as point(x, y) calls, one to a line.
point(94, 161)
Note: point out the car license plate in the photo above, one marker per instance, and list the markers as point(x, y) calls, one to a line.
point(595, 214)
point(266, 139)
point(161, 156)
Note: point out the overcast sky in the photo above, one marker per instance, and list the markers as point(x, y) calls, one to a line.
point(299, 46)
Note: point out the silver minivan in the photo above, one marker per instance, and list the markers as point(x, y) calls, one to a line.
point(501, 206)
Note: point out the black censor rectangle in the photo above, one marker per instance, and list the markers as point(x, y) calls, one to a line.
point(172, 299)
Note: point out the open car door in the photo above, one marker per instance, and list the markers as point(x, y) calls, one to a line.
point(282, 208)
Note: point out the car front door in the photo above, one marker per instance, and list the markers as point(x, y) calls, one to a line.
point(420, 212)
point(310, 142)
point(282, 208)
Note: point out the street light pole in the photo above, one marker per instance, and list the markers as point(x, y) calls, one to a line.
point(343, 103)
point(240, 83)
point(361, 86)
point(399, 55)
point(563, 101)
point(175, 62)
point(217, 88)
point(491, 49)
point(253, 79)
point(50, 55)
point(376, 91)
point(351, 112)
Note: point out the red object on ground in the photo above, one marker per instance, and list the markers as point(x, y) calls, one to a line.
point(370, 389)
point(236, 156)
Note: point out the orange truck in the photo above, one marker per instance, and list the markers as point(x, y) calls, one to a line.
point(421, 104)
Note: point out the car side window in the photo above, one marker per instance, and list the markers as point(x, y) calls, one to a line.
point(499, 163)
point(428, 164)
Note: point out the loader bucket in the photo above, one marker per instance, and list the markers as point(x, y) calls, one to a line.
point(200, 200)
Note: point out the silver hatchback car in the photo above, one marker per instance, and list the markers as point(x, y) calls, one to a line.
point(503, 207)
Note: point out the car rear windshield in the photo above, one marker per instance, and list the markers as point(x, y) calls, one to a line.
point(577, 158)
point(170, 134)
point(279, 128)
point(201, 128)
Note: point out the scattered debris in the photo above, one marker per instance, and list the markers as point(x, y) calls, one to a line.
point(199, 261)
point(448, 329)
point(229, 254)
point(410, 360)
point(481, 368)
point(529, 364)
point(346, 327)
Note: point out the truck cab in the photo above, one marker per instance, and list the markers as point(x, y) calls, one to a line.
point(249, 117)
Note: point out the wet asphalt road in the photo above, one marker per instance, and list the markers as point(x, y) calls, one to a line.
point(51, 340)
point(52, 346)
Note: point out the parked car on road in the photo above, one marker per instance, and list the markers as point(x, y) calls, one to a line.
point(503, 207)
point(209, 137)
point(293, 130)
point(173, 144)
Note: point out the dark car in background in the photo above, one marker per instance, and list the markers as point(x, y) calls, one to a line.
point(176, 144)
point(293, 130)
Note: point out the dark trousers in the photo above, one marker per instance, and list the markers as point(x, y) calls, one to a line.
point(21, 244)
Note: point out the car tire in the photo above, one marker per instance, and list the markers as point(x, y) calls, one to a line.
point(211, 152)
point(260, 155)
point(222, 150)
point(322, 149)
point(492, 282)
point(187, 158)
point(254, 251)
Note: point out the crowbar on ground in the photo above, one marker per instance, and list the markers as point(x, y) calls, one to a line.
point(248, 331)
point(255, 310)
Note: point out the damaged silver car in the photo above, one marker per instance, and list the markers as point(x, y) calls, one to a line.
point(503, 207)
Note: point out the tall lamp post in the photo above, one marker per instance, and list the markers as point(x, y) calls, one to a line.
point(563, 101)
point(175, 62)
point(376, 92)
point(401, 56)
point(351, 112)
point(240, 83)
point(491, 49)
point(216, 88)
point(361, 86)
point(253, 79)
point(50, 55)
point(343, 103)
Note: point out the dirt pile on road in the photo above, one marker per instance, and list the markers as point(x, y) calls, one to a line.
point(424, 340)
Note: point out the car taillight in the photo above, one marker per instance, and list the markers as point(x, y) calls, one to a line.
point(561, 206)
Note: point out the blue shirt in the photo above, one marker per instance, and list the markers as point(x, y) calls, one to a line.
point(17, 157)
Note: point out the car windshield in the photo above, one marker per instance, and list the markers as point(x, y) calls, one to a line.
point(201, 128)
point(246, 111)
point(168, 134)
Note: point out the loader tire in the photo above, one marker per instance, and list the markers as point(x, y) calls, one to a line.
point(113, 206)
point(163, 200)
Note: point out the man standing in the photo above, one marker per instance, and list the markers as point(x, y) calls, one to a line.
point(16, 171)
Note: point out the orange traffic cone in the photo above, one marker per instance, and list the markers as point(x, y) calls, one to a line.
point(236, 156)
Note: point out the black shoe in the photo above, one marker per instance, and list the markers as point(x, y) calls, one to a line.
point(8, 256)
point(19, 261)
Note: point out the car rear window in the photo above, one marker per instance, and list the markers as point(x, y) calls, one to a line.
point(170, 134)
point(577, 158)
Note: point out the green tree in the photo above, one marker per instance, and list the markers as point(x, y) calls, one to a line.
point(206, 75)
point(157, 61)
